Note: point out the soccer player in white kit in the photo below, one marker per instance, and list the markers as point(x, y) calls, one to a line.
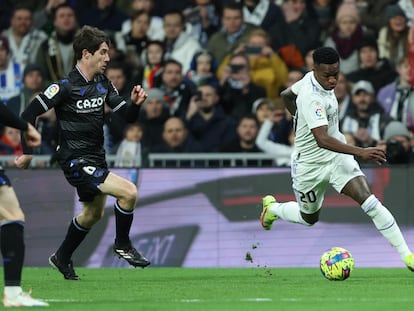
point(321, 157)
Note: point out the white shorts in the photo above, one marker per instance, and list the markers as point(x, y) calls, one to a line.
point(311, 180)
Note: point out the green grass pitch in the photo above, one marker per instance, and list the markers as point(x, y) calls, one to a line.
point(222, 289)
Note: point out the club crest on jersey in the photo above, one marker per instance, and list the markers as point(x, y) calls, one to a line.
point(51, 91)
point(319, 113)
point(101, 88)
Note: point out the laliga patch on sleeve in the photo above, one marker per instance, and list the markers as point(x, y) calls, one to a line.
point(51, 91)
point(319, 113)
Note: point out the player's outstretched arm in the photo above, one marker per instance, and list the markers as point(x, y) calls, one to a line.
point(138, 95)
point(32, 136)
point(23, 161)
point(376, 154)
point(289, 98)
point(325, 141)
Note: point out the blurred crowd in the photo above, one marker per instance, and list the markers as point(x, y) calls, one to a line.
point(214, 70)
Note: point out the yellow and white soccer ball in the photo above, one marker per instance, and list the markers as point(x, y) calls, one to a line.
point(337, 264)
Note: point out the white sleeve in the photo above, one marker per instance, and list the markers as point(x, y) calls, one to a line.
point(297, 86)
point(314, 112)
point(280, 151)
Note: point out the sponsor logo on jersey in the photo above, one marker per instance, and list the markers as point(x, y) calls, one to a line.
point(90, 103)
point(51, 91)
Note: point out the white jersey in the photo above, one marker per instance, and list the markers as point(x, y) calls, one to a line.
point(315, 107)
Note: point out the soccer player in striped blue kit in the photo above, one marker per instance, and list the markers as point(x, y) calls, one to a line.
point(321, 157)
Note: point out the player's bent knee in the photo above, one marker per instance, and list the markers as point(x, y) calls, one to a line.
point(309, 219)
point(10, 215)
point(130, 193)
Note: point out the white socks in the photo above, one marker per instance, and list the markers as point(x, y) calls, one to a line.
point(288, 211)
point(386, 224)
point(12, 291)
point(382, 218)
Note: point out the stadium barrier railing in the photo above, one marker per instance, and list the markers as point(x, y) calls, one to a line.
point(169, 160)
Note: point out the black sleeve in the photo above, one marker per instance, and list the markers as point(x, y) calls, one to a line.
point(8, 118)
point(132, 112)
point(34, 109)
point(128, 111)
point(31, 112)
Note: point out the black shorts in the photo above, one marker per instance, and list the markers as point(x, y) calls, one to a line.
point(4, 180)
point(85, 178)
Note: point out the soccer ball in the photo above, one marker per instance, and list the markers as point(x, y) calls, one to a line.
point(337, 264)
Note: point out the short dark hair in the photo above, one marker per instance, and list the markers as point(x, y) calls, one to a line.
point(249, 116)
point(232, 5)
point(176, 12)
point(89, 38)
point(63, 5)
point(325, 55)
point(174, 62)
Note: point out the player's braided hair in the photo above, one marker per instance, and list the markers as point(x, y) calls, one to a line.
point(325, 55)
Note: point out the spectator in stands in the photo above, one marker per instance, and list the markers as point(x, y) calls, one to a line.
point(282, 43)
point(237, 91)
point(267, 69)
point(114, 125)
point(343, 95)
point(263, 13)
point(155, 27)
point(33, 84)
point(325, 12)
point(154, 61)
point(264, 109)
point(393, 38)
point(408, 7)
point(303, 28)
point(133, 43)
point(247, 130)
point(115, 54)
point(153, 115)
point(24, 40)
point(234, 32)
point(11, 72)
point(281, 152)
point(293, 76)
point(207, 121)
point(56, 54)
point(366, 119)
point(203, 69)
point(177, 139)
point(308, 66)
point(130, 149)
point(397, 141)
point(177, 92)
point(346, 36)
point(372, 13)
point(203, 17)
point(162, 7)
point(104, 15)
point(376, 70)
point(397, 97)
point(10, 142)
point(43, 17)
point(179, 44)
